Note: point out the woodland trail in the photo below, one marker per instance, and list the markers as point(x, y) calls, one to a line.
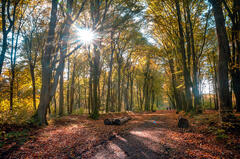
point(146, 136)
point(158, 138)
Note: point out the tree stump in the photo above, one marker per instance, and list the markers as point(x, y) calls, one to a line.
point(183, 123)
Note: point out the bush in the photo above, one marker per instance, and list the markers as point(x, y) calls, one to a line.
point(79, 111)
point(221, 136)
point(21, 113)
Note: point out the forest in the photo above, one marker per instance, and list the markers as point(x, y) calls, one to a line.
point(167, 70)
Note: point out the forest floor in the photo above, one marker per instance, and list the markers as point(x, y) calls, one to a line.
point(147, 135)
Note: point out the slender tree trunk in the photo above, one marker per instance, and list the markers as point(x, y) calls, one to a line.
point(236, 89)
point(224, 53)
point(11, 89)
point(6, 30)
point(110, 73)
point(126, 94)
point(79, 93)
point(55, 105)
point(68, 86)
point(153, 97)
point(215, 84)
point(72, 90)
point(34, 86)
point(175, 91)
point(61, 95)
point(119, 85)
point(85, 99)
point(146, 87)
point(90, 92)
point(3, 52)
point(95, 76)
point(131, 91)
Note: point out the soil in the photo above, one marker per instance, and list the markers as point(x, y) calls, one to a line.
point(146, 136)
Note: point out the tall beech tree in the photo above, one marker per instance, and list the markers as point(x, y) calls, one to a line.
point(186, 72)
point(234, 15)
point(224, 55)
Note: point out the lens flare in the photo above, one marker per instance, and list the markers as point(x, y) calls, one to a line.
point(86, 36)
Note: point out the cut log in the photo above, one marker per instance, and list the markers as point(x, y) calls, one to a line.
point(109, 121)
point(116, 121)
point(121, 121)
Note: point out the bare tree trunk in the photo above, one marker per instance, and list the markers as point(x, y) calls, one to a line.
point(72, 89)
point(95, 76)
point(6, 28)
point(197, 101)
point(187, 79)
point(34, 86)
point(79, 93)
point(110, 73)
point(68, 86)
point(46, 68)
point(146, 87)
point(215, 84)
point(175, 91)
point(235, 56)
point(131, 91)
point(126, 94)
point(61, 95)
point(13, 59)
point(153, 96)
point(90, 92)
point(119, 82)
point(55, 105)
point(224, 53)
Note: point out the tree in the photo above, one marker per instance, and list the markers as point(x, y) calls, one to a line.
point(234, 15)
point(49, 59)
point(224, 54)
point(187, 78)
point(6, 28)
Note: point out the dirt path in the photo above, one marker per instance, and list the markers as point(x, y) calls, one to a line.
point(158, 138)
point(147, 136)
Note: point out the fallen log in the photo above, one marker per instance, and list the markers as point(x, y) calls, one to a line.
point(109, 121)
point(116, 121)
point(121, 120)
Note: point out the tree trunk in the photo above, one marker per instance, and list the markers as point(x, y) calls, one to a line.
point(235, 57)
point(3, 52)
point(197, 101)
point(224, 53)
point(131, 91)
point(61, 95)
point(119, 84)
point(236, 89)
point(126, 94)
point(6, 30)
point(146, 87)
point(175, 91)
point(110, 73)
point(215, 85)
point(72, 89)
point(55, 105)
point(46, 67)
point(34, 86)
point(95, 76)
point(186, 73)
point(68, 86)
